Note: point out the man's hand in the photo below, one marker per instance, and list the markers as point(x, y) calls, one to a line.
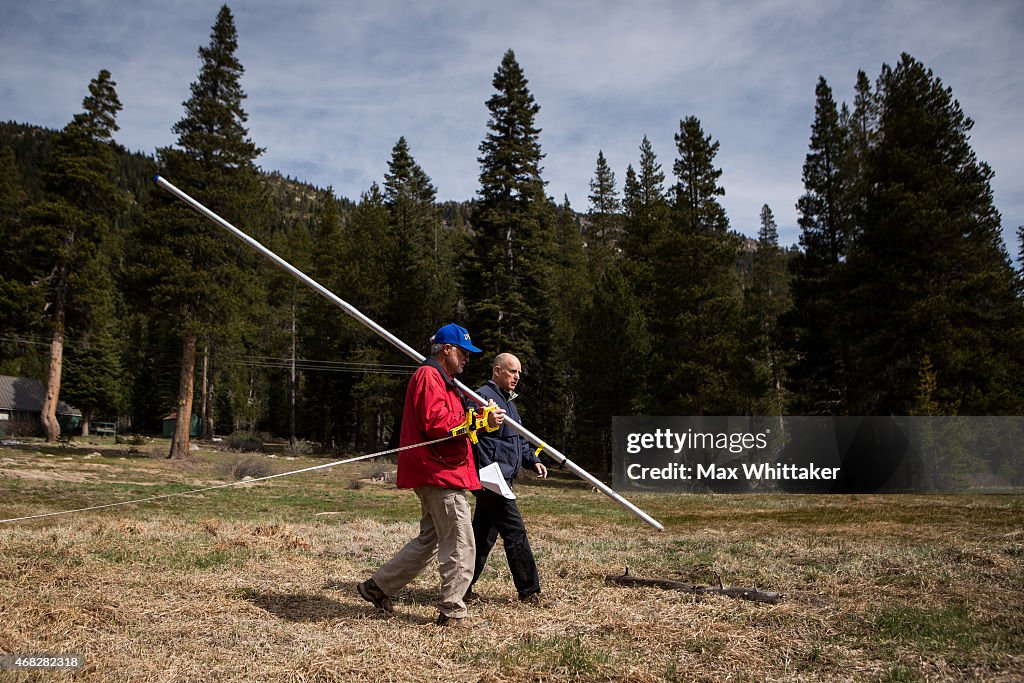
point(496, 416)
point(541, 471)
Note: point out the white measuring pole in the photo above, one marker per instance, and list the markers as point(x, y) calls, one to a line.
point(403, 347)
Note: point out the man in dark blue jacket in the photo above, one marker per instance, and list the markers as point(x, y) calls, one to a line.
point(496, 515)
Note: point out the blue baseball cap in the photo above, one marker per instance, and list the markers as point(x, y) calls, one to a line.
point(456, 336)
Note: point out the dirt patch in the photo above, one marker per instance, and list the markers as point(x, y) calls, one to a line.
point(51, 474)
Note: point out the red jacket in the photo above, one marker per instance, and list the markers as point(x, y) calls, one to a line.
point(432, 409)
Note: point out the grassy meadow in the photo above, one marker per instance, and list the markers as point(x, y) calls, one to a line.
point(257, 582)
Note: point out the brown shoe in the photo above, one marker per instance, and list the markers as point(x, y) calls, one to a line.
point(444, 621)
point(537, 600)
point(369, 591)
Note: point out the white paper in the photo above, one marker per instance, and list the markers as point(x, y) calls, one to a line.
point(492, 480)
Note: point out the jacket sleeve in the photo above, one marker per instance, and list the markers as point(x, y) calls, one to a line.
point(483, 450)
point(431, 406)
point(529, 459)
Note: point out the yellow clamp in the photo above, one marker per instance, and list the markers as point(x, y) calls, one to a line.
point(536, 453)
point(467, 427)
point(475, 422)
point(482, 421)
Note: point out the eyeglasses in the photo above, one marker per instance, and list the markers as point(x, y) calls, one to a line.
point(462, 352)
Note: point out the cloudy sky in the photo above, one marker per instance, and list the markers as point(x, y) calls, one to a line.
point(332, 84)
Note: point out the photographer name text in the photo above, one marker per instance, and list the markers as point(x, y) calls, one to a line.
point(679, 472)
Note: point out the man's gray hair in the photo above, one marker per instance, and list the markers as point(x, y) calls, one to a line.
point(435, 348)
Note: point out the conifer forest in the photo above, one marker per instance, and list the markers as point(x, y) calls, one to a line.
point(901, 297)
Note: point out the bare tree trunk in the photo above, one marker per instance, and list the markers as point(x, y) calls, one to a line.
point(208, 383)
point(86, 419)
point(211, 411)
point(183, 422)
point(202, 402)
point(48, 416)
point(49, 413)
point(292, 379)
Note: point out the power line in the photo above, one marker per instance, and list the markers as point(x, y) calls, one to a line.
point(334, 363)
point(323, 366)
point(304, 364)
point(26, 340)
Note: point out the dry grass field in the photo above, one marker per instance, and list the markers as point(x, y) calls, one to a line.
point(256, 583)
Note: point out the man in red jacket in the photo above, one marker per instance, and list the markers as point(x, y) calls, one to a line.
point(440, 474)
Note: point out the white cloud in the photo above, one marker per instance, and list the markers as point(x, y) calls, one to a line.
point(332, 85)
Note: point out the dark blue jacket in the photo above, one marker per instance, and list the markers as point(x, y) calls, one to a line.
point(505, 447)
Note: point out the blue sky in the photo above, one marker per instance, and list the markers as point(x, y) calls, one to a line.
point(332, 84)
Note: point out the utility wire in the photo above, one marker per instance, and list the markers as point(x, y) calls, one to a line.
point(312, 365)
point(306, 364)
point(404, 366)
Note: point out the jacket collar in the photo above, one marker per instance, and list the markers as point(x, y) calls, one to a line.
point(508, 395)
point(448, 381)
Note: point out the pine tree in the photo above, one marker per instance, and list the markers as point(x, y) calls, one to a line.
point(645, 226)
point(212, 133)
point(645, 203)
point(508, 285)
point(696, 207)
point(200, 278)
point(407, 188)
point(1020, 254)
point(70, 229)
point(422, 264)
point(630, 190)
point(929, 276)
point(698, 322)
point(860, 128)
point(815, 327)
point(569, 312)
point(510, 171)
point(824, 213)
point(646, 222)
point(766, 300)
point(572, 279)
point(418, 270)
point(603, 219)
point(507, 266)
point(768, 232)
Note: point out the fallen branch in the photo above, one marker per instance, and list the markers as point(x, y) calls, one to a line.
point(721, 589)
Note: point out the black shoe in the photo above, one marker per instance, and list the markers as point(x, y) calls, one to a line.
point(536, 600)
point(445, 621)
point(470, 596)
point(370, 592)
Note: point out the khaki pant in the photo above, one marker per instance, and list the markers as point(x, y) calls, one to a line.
point(446, 530)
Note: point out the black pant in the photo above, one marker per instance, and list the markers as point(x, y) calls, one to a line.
point(496, 515)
